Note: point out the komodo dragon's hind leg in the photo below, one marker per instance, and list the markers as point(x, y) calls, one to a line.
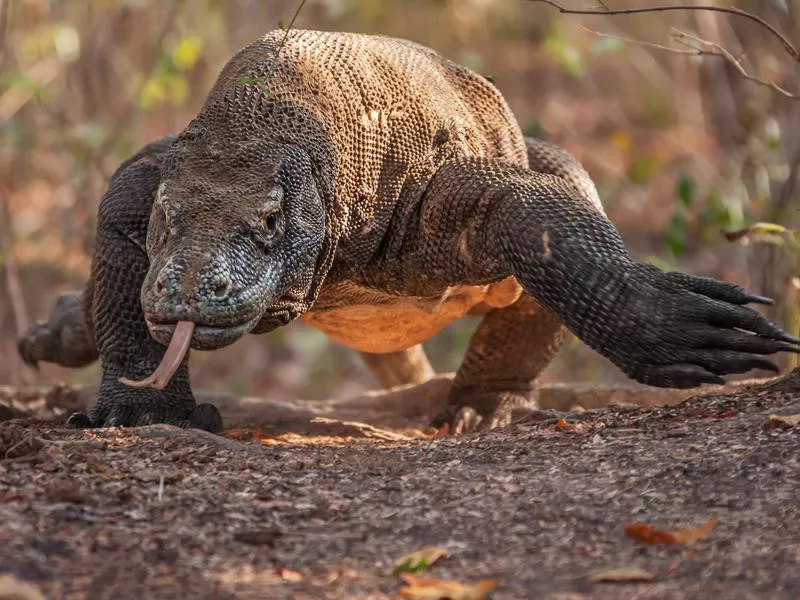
point(65, 339)
point(509, 349)
point(399, 368)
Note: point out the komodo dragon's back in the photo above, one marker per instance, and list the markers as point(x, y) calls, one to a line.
point(377, 114)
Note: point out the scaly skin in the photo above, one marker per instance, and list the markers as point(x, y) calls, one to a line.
point(353, 175)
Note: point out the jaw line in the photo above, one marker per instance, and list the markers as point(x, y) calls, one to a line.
point(204, 337)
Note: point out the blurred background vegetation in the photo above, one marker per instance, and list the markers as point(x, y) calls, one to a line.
point(681, 147)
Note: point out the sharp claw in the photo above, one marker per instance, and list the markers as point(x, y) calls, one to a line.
point(785, 337)
point(79, 420)
point(759, 299)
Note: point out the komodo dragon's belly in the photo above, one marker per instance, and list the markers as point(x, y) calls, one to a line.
point(371, 321)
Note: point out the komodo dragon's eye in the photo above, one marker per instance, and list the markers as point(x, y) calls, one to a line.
point(270, 217)
point(271, 222)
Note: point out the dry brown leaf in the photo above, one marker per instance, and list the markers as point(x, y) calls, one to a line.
point(423, 588)
point(415, 562)
point(785, 420)
point(622, 575)
point(288, 574)
point(691, 535)
point(646, 533)
point(563, 425)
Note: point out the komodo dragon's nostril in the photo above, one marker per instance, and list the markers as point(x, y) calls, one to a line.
point(222, 289)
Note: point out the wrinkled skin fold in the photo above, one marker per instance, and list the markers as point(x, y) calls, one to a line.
point(353, 175)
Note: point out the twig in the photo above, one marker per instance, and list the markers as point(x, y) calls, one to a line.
point(265, 82)
point(713, 49)
point(289, 27)
point(27, 439)
point(722, 52)
point(643, 43)
point(788, 46)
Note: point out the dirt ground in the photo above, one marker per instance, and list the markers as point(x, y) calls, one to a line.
point(324, 512)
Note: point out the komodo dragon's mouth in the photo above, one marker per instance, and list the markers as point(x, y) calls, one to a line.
point(181, 335)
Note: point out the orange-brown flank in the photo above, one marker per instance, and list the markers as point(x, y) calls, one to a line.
point(371, 321)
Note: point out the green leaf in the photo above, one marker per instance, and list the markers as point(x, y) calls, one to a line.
point(768, 233)
point(686, 190)
point(642, 169)
point(677, 235)
point(606, 45)
point(534, 129)
point(281, 25)
point(719, 215)
point(566, 55)
point(419, 560)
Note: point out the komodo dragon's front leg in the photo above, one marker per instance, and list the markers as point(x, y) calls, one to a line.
point(484, 219)
point(115, 314)
point(532, 325)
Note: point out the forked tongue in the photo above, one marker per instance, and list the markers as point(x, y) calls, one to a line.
point(178, 345)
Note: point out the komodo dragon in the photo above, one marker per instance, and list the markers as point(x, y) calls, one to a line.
point(378, 191)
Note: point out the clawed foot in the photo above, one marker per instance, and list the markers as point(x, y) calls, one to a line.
point(121, 406)
point(471, 411)
point(203, 416)
point(681, 331)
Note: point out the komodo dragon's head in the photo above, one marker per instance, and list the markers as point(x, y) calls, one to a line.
point(233, 239)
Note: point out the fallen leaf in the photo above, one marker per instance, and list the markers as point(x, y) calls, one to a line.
point(563, 425)
point(622, 575)
point(420, 560)
point(646, 533)
point(246, 434)
point(785, 420)
point(288, 574)
point(422, 588)
point(691, 535)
